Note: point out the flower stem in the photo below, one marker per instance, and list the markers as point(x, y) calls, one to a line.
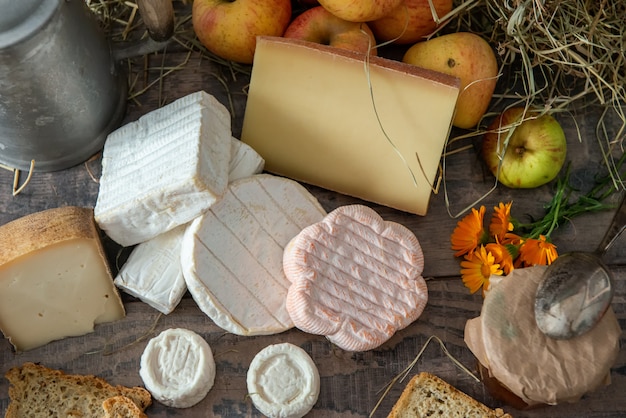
point(561, 209)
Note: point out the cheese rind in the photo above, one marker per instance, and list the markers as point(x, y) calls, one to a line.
point(283, 381)
point(54, 278)
point(153, 272)
point(355, 278)
point(244, 161)
point(312, 116)
point(232, 254)
point(164, 169)
point(178, 368)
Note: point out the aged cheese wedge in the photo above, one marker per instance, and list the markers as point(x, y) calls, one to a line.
point(177, 368)
point(355, 278)
point(164, 170)
point(311, 115)
point(232, 254)
point(153, 272)
point(54, 278)
point(283, 381)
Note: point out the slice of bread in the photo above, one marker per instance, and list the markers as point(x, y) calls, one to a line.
point(121, 407)
point(426, 395)
point(37, 391)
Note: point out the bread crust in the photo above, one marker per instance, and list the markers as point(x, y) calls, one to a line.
point(428, 395)
point(35, 390)
point(121, 407)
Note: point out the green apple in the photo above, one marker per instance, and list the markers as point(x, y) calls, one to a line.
point(468, 57)
point(360, 10)
point(535, 151)
point(411, 21)
point(228, 28)
point(320, 26)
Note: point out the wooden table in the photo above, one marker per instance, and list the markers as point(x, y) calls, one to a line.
point(351, 383)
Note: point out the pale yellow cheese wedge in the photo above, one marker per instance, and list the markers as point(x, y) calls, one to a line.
point(313, 117)
point(54, 278)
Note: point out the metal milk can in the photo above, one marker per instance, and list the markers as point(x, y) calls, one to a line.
point(61, 92)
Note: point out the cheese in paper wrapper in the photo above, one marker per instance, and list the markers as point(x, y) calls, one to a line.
point(533, 366)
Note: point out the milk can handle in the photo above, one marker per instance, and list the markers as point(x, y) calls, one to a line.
point(158, 16)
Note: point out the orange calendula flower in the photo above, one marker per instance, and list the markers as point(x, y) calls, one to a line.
point(469, 233)
point(502, 256)
point(501, 221)
point(477, 268)
point(537, 252)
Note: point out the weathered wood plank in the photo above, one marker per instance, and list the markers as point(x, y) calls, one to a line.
point(351, 382)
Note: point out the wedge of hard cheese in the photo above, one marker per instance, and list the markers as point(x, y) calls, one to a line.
point(54, 278)
point(375, 130)
point(232, 254)
point(165, 169)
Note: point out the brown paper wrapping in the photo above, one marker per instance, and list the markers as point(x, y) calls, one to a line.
point(535, 367)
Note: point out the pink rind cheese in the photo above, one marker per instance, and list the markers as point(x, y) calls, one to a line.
point(355, 278)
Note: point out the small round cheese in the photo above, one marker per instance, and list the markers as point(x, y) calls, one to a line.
point(177, 368)
point(283, 381)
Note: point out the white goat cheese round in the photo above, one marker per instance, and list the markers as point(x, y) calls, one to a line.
point(283, 381)
point(177, 368)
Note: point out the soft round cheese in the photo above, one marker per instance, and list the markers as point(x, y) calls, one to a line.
point(355, 278)
point(283, 381)
point(232, 255)
point(177, 368)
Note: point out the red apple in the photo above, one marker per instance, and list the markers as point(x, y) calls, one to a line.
point(468, 57)
point(535, 152)
point(320, 26)
point(229, 28)
point(410, 22)
point(360, 10)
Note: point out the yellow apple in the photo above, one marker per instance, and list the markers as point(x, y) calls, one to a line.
point(535, 152)
point(320, 26)
point(359, 10)
point(410, 22)
point(228, 28)
point(468, 57)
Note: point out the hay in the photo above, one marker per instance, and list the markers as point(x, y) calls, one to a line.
point(122, 24)
point(567, 56)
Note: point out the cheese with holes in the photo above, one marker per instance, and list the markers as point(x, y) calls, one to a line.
point(54, 278)
point(355, 278)
point(232, 254)
point(165, 169)
point(312, 116)
point(153, 272)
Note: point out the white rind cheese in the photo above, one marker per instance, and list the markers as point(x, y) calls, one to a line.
point(232, 254)
point(283, 381)
point(164, 170)
point(244, 161)
point(54, 278)
point(178, 368)
point(153, 272)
